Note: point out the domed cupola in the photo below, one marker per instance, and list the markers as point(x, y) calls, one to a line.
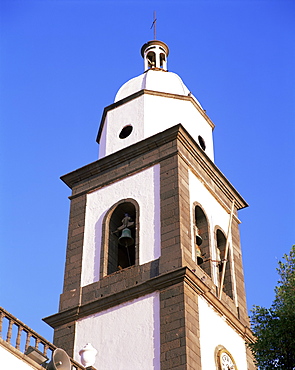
point(155, 55)
point(150, 103)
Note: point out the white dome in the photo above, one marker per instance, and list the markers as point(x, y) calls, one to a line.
point(155, 80)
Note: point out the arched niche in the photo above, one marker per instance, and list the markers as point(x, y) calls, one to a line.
point(201, 230)
point(163, 63)
point(116, 256)
point(221, 245)
point(151, 59)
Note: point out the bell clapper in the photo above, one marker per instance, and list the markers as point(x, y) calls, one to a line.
point(128, 254)
point(199, 241)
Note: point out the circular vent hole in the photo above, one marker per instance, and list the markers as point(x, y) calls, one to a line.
point(202, 142)
point(125, 132)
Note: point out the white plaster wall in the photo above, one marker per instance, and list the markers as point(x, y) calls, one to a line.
point(103, 139)
point(215, 331)
point(127, 337)
point(144, 187)
point(10, 362)
point(149, 115)
point(216, 214)
point(130, 113)
point(160, 113)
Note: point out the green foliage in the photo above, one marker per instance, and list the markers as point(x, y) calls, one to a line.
point(274, 328)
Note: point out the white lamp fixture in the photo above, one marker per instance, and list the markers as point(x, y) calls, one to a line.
point(88, 354)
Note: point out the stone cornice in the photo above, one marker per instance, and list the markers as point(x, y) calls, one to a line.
point(202, 289)
point(182, 274)
point(124, 155)
point(183, 140)
point(155, 93)
point(210, 169)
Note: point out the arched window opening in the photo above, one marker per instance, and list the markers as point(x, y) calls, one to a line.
point(151, 58)
point(162, 60)
point(202, 244)
point(221, 244)
point(122, 238)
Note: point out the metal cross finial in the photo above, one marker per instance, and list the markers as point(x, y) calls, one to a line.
point(154, 25)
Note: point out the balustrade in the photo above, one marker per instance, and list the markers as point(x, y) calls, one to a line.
point(20, 336)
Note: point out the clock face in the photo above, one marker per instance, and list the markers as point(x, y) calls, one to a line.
point(226, 362)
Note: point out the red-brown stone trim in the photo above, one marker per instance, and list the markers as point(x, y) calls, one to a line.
point(177, 153)
point(193, 154)
point(74, 253)
point(155, 284)
point(232, 320)
point(80, 180)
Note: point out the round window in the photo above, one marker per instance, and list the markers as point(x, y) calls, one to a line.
point(125, 132)
point(202, 142)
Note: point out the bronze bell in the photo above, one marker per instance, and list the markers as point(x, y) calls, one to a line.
point(199, 255)
point(199, 241)
point(126, 239)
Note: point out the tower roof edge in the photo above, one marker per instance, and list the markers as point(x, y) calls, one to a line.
point(154, 42)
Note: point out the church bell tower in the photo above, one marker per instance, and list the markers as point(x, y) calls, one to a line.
point(153, 275)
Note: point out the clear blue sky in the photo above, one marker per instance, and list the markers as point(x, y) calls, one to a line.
point(62, 62)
